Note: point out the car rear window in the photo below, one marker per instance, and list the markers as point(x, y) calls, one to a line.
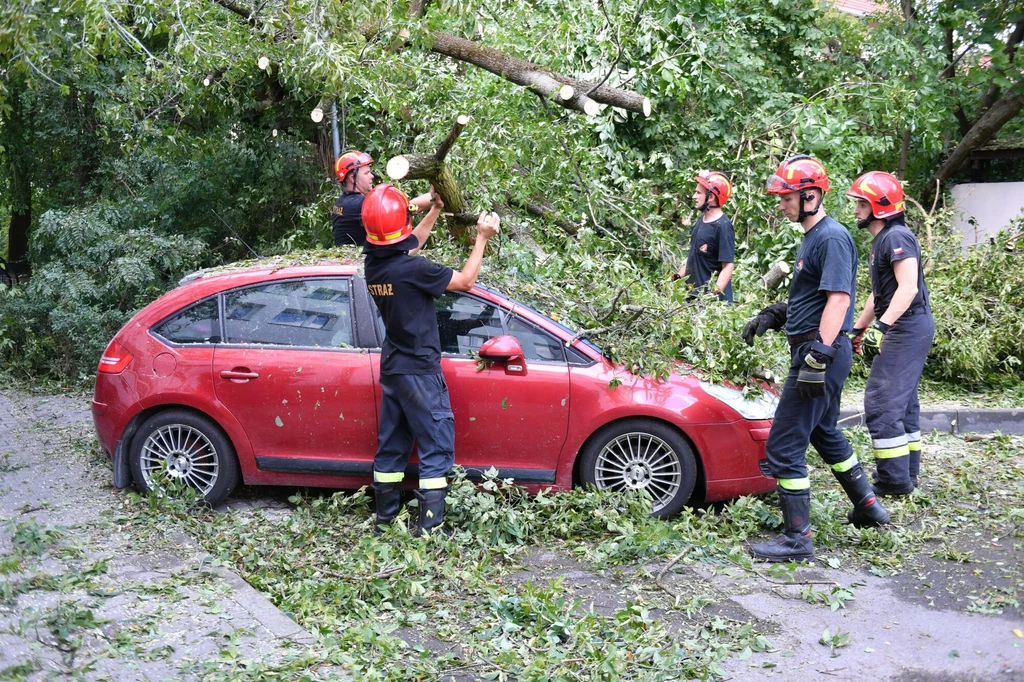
point(313, 313)
point(196, 324)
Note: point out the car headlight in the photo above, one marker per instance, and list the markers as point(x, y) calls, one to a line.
point(762, 407)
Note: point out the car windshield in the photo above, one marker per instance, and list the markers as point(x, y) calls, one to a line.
point(558, 324)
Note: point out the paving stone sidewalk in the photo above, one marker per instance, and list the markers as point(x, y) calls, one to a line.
point(78, 598)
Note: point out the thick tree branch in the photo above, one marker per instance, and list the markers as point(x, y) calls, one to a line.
point(546, 83)
point(992, 94)
point(241, 11)
point(980, 133)
point(545, 212)
point(453, 134)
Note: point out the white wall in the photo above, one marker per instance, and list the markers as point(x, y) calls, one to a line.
point(992, 205)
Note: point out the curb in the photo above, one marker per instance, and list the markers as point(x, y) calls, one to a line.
point(955, 420)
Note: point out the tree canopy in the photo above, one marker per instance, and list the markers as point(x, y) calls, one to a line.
point(191, 118)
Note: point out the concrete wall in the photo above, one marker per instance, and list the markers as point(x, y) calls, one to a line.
point(992, 205)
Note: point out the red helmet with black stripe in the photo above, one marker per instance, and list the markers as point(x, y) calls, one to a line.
point(798, 173)
point(880, 189)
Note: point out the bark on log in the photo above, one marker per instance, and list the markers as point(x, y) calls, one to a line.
point(773, 277)
point(453, 134)
point(980, 133)
point(538, 210)
point(431, 167)
point(544, 82)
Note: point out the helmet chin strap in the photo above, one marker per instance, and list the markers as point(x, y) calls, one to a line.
point(804, 196)
point(863, 224)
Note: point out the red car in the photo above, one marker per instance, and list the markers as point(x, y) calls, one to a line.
point(268, 375)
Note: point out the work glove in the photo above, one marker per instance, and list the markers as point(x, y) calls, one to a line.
point(856, 336)
point(872, 343)
point(810, 382)
point(675, 276)
point(772, 317)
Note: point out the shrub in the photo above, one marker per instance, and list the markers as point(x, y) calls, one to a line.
point(94, 268)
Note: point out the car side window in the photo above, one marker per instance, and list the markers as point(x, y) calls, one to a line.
point(465, 322)
point(538, 345)
point(198, 323)
point(309, 313)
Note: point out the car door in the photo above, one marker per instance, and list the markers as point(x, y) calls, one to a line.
point(514, 423)
point(290, 372)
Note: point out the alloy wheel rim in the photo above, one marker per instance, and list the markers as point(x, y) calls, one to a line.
point(640, 461)
point(181, 453)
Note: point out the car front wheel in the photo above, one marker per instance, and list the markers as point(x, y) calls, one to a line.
point(181, 447)
point(642, 454)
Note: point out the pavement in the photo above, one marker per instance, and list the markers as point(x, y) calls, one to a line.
point(955, 420)
point(81, 598)
point(86, 601)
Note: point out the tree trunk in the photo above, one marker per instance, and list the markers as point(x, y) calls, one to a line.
point(904, 155)
point(984, 130)
point(17, 150)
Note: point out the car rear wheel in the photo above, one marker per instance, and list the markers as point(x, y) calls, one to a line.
point(181, 447)
point(642, 454)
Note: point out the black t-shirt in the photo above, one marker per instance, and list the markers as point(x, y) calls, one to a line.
point(894, 243)
point(711, 244)
point(404, 288)
point(347, 219)
point(826, 261)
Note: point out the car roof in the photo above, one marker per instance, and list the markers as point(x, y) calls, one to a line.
point(211, 281)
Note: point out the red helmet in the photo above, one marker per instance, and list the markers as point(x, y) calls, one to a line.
point(386, 216)
point(797, 173)
point(716, 184)
point(880, 189)
point(349, 161)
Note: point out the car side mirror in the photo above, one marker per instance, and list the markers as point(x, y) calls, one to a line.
point(505, 350)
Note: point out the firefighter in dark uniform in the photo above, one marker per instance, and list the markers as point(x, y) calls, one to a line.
point(900, 336)
point(713, 241)
point(819, 310)
point(415, 407)
point(356, 178)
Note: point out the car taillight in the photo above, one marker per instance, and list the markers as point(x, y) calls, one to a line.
point(115, 359)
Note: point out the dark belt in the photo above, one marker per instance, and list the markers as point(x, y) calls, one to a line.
point(800, 338)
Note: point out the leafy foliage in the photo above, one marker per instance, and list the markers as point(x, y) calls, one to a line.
point(99, 269)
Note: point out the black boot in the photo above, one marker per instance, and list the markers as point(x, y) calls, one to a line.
point(893, 490)
point(389, 501)
point(867, 510)
point(795, 542)
point(915, 466)
point(431, 510)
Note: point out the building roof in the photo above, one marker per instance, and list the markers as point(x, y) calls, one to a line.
point(860, 8)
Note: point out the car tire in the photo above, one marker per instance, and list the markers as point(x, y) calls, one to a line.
point(190, 448)
point(642, 454)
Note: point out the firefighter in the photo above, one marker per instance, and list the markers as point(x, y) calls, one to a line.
point(356, 178)
point(818, 312)
point(900, 333)
point(712, 242)
point(414, 404)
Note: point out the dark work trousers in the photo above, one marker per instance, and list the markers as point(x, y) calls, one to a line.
point(415, 408)
point(891, 409)
point(799, 423)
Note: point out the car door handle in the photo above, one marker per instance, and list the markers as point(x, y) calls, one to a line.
point(239, 375)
